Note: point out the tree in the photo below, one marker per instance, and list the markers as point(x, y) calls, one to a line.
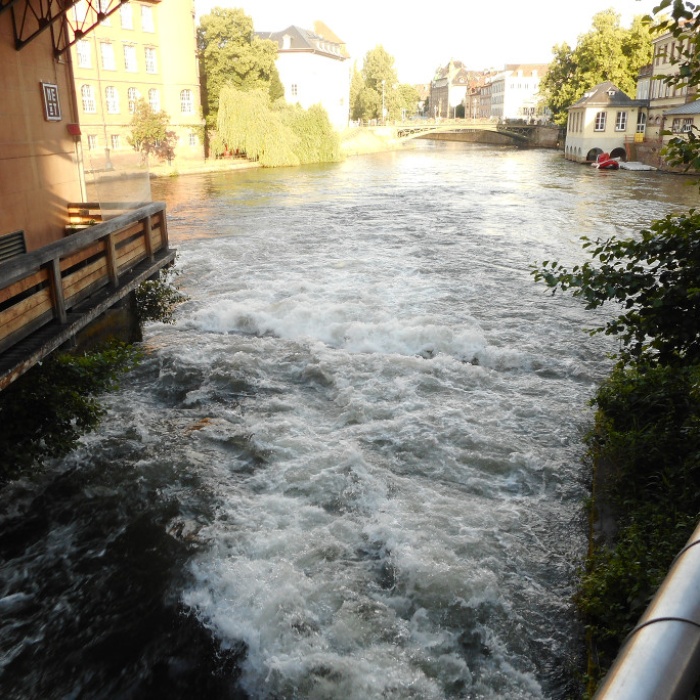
point(357, 83)
point(561, 83)
point(230, 53)
point(278, 135)
point(606, 52)
point(655, 278)
point(150, 133)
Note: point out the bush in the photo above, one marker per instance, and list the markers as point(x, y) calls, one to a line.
point(45, 411)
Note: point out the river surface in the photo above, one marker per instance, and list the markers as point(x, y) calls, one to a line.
point(352, 469)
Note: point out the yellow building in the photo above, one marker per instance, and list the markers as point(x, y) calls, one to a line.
point(146, 49)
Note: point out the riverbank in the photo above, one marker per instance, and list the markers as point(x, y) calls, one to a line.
point(353, 142)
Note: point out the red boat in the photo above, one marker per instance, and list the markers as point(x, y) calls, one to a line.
point(605, 162)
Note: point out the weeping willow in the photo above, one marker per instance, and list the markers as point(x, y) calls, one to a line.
point(273, 135)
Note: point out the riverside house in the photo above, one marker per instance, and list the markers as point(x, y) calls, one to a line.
point(602, 121)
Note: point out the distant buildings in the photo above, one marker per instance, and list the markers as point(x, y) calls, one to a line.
point(145, 50)
point(314, 68)
point(606, 120)
point(511, 93)
point(515, 92)
point(669, 108)
point(448, 89)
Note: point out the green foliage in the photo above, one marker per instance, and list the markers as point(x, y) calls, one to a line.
point(377, 87)
point(150, 134)
point(281, 136)
point(606, 52)
point(44, 412)
point(231, 54)
point(378, 69)
point(648, 428)
point(156, 300)
point(357, 83)
point(654, 278)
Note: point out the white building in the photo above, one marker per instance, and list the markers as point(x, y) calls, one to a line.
point(603, 121)
point(515, 92)
point(314, 69)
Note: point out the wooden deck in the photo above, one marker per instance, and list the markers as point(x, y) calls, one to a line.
point(49, 295)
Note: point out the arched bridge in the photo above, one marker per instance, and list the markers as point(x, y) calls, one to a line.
point(518, 132)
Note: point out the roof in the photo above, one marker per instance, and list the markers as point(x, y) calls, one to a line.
point(687, 108)
point(606, 94)
point(305, 40)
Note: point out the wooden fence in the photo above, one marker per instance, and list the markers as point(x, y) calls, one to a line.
point(52, 287)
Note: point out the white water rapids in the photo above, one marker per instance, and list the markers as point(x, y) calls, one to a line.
point(371, 418)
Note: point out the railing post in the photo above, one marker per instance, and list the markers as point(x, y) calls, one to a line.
point(59, 301)
point(163, 228)
point(147, 237)
point(112, 270)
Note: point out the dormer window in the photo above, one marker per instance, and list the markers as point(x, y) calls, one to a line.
point(611, 93)
point(286, 42)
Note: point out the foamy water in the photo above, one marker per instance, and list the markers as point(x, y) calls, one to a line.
point(367, 421)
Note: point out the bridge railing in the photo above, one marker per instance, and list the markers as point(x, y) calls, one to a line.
point(40, 287)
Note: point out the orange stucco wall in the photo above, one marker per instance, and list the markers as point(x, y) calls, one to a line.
point(39, 170)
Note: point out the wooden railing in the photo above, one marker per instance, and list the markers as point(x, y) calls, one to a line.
point(41, 287)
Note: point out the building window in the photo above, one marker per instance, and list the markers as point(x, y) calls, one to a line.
point(84, 54)
point(132, 95)
point(114, 140)
point(154, 99)
point(621, 121)
point(103, 7)
point(147, 19)
point(150, 54)
point(127, 16)
point(193, 140)
point(80, 11)
point(294, 90)
point(130, 58)
point(600, 119)
point(88, 96)
point(641, 123)
point(112, 100)
point(107, 54)
point(92, 142)
point(687, 125)
point(186, 106)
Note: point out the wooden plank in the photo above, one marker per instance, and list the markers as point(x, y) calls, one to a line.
point(23, 285)
point(82, 255)
point(25, 311)
point(124, 236)
point(130, 254)
point(85, 277)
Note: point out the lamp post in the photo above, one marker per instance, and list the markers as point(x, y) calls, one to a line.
point(383, 108)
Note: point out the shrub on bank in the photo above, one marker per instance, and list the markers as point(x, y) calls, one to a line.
point(647, 433)
point(646, 441)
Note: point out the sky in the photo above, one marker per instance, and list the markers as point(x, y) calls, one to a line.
point(423, 35)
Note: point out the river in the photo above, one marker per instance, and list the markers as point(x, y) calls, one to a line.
point(352, 469)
